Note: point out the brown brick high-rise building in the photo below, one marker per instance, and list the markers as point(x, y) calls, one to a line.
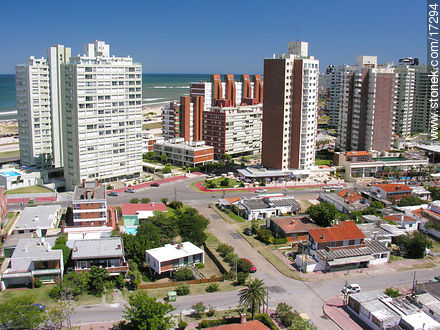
point(290, 109)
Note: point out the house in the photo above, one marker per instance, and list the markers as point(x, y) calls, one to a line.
point(372, 219)
point(171, 257)
point(266, 207)
point(391, 190)
point(37, 219)
point(429, 219)
point(89, 205)
point(345, 200)
point(404, 221)
point(420, 192)
point(133, 214)
point(11, 242)
point(429, 304)
point(33, 259)
point(373, 231)
point(3, 207)
point(13, 178)
point(371, 309)
point(343, 246)
point(227, 202)
point(107, 253)
point(295, 229)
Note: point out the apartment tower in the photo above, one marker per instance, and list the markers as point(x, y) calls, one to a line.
point(102, 116)
point(290, 109)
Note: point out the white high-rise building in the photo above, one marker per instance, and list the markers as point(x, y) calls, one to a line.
point(290, 109)
point(56, 55)
point(34, 113)
point(102, 116)
point(421, 120)
point(405, 79)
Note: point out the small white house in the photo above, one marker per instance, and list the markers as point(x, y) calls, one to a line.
point(14, 178)
point(171, 257)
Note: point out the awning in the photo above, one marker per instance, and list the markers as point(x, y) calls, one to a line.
point(351, 260)
point(46, 271)
point(16, 275)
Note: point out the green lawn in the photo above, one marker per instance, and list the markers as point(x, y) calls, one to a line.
point(28, 190)
point(212, 240)
point(323, 162)
point(217, 181)
point(40, 295)
point(151, 126)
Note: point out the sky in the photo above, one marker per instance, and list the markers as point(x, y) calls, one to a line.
point(206, 36)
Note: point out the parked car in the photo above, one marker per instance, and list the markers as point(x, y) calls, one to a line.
point(129, 190)
point(253, 268)
point(112, 193)
point(351, 288)
point(154, 184)
point(261, 190)
point(247, 231)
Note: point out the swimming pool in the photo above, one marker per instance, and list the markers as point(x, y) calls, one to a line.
point(9, 174)
point(131, 230)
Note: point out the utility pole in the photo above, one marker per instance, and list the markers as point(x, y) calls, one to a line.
point(267, 300)
point(175, 194)
point(414, 284)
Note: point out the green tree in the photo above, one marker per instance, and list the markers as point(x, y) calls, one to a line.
point(299, 323)
point(183, 274)
point(60, 244)
point(198, 310)
point(322, 214)
point(145, 200)
point(242, 277)
point(224, 182)
point(166, 224)
point(393, 293)
point(213, 287)
point(191, 225)
point(55, 316)
point(243, 265)
point(176, 205)
point(252, 296)
point(74, 285)
point(285, 313)
point(164, 200)
point(411, 201)
point(144, 312)
point(415, 244)
point(18, 313)
point(166, 170)
point(182, 289)
point(224, 249)
point(377, 205)
point(134, 200)
point(97, 279)
point(265, 235)
point(435, 192)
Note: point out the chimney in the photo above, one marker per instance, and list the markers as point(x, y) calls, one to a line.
point(36, 218)
point(402, 217)
point(119, 247)
point(75, 249)
point(96, 182)
point(84, 183)
point(322, 236)
point(243, 318)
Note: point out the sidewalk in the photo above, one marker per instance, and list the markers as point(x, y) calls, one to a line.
point(335, 309)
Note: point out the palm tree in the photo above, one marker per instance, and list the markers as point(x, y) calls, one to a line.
point(252, 296)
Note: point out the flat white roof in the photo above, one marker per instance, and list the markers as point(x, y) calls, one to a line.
point(420, 319)
point(171, 252)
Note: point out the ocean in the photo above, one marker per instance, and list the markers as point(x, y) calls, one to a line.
point(156, 88)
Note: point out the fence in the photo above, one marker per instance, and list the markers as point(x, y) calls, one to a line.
point(170, 284)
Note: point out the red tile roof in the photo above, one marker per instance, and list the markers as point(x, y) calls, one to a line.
point(133, 209)
point(345, 230)
point(232, 199)
point(294, 224)
point(350, 196)
point(249, 325)
point(358, 153)
point(398, 218)
point(393, 187)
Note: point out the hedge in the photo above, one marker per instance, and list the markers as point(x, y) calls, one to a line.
point(263, 318)
point(266, 320)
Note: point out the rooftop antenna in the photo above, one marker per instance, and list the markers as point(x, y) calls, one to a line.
point(297, 27)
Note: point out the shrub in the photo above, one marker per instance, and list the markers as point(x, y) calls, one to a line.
point(224, 182)
point(393, 293)
point(243, 265)
point(224, 249)
point(229, 257)
point(198, 310)
point(145, 200)
point(119, 281)
point(210, 312)
point(213, 287)
point(134, 201)
point(266, 320)
point(265, 235)
point(166, 170)
point(182, 289)
point(164, 200)
point(37, 283)
point(242, 277)
point(182, 324)
point(183, 274)
point(200, 265)
point(281, 240)
point(176, 205)
point(54, 293)
point(109, 187)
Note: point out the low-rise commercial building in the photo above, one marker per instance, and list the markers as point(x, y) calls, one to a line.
point(106, 253)
point(183, 153)
point(33, 259)
point(38, 219)
point(171, 257)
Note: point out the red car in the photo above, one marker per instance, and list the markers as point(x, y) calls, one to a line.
point(253, 268)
